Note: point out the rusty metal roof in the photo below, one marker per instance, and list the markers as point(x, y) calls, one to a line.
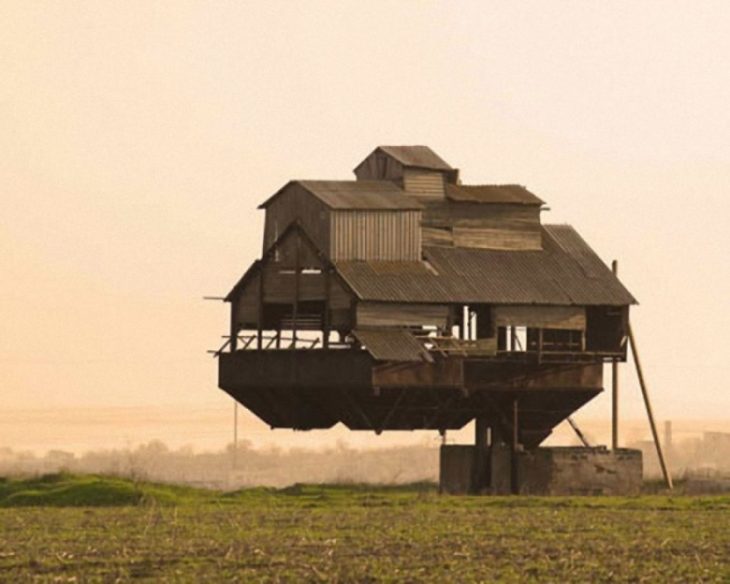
point(565, 272)
point(392, 345)
point(416, 156)
point(509, 194)
point(352, 194)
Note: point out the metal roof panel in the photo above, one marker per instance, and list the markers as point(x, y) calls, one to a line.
point(391, 344)
point(565, 272)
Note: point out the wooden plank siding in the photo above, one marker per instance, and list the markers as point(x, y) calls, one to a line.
point(296, 203)
point(399, 315)
point(481, 226)
point(551, 317)
point(248, 304)
point(375, 235)
point(487, 215)
point(379, 166)
point(439, 236)
point(498, 239)
point(425, 183)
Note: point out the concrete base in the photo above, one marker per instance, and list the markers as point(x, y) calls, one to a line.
point(543, 471)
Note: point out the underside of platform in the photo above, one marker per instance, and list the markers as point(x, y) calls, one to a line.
point(318, 389)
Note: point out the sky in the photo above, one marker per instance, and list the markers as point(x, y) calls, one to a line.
point(137, 139)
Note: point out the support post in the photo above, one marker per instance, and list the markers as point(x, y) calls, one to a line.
point(650, 414)
point(235, 434)
point(326, 324)
point(260, 323)
point(512, 339)
point(514, 461)
point(234, 325)
point(481, 478)
point(614, 386)
point(295, 308)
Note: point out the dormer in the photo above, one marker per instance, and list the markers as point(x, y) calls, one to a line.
point(417, 169)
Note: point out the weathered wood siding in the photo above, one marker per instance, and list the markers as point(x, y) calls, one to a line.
point(292, 252)
point(375, 235)
point(484, 226)
point(553, 317)
point(294, 203)
point(379, 166)
point(279, 289)
point(247, 313)
point(386, 314)
point(505, 239)
point(427, 183)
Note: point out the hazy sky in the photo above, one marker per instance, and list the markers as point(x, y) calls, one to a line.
point(137, 139)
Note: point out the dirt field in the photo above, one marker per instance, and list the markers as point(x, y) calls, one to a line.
point(350, 533)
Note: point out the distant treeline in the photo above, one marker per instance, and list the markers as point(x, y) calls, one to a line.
point(249, 466)
point(233, 468)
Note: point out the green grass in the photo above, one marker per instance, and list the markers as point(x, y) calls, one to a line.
point(61, 527)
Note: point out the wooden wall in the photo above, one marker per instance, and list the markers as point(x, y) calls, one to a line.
point(424, 183)
point(295, 202)
point(387, 314)
point(376, 235)
point(247, 305)
point(484, 226)
point(552, 317)
point(279, 288)
point(379, 166)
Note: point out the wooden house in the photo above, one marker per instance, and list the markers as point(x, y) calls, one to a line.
point(407, 300)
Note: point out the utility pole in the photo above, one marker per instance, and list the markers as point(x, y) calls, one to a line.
point(235, 434)
point(614, 386)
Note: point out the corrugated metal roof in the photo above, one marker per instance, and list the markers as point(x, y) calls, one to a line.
point(416, 156)
point(352, 194)
point(510, 194)
point(392, 345)
point(361, 194)
point(565, 272)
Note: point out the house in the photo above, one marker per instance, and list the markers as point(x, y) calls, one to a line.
point(406, 300)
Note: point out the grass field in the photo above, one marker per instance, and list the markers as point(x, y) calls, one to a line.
point(64, 528)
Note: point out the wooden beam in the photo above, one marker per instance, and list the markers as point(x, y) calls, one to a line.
point(234, 325)
point(326, 317)
point(481, 450)
point(514, 460)
point(578, 432)
point(260, 323)
point(650, 414)
point(391, 411)
point(297, 276)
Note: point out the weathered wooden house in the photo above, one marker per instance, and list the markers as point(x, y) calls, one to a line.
point(407, 300)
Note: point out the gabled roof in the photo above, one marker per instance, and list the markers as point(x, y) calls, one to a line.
point(354, 194)
point(413, 157)
point(416, 157)
point(505, 194)
point(255, 268)
point(565, 272)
